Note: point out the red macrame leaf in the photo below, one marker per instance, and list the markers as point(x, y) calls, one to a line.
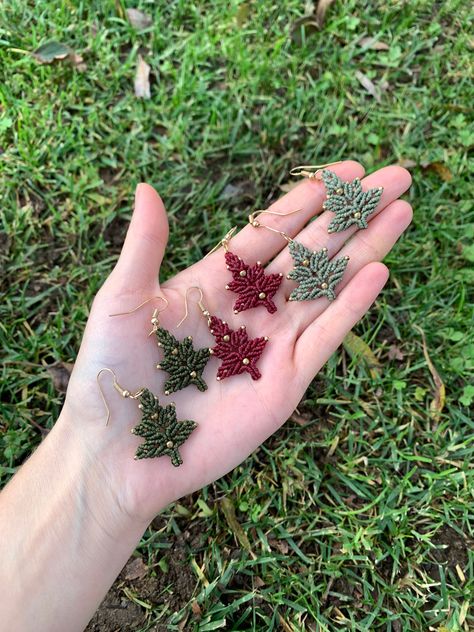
point(253, 285)
point(234, 351)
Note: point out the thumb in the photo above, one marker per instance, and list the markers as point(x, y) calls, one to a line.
point(145, 242)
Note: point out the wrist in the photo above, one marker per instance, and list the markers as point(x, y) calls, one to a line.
point(98, 479)
point(63, 526)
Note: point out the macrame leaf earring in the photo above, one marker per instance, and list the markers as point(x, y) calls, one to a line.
point(162, 432)
point(238, 352)
point(347, 200)
point(182, 361)
point(254, 287)
point(316, 274)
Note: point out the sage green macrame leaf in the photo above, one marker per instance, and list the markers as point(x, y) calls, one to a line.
point(316, 275)
point(349, 202)
point(162, 432)
point(183, 363)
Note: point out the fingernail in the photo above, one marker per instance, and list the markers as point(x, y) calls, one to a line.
point(138, 192)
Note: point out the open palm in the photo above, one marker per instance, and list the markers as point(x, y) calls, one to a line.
point(237, 414)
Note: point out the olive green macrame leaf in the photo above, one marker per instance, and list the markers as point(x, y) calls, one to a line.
point(162, 432)
point(349, 202)
point(183, 363)
point(316, 274)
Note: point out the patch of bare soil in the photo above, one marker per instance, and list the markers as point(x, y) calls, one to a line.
point(174, 588)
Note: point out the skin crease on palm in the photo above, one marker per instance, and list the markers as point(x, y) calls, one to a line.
point(237, 414)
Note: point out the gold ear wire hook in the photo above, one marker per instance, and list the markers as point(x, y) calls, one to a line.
point(253, 221)
point(144, 303)
point(302, 170)
point(122, 391)
point(223, 242)
point(200, 303)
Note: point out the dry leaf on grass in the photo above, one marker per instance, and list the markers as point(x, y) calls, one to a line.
point(229, 513)
point(368, 85)
point(439, 399)
point(373, 44)
point(439, 168)
point(60, 374)
point(407, 163)
point(57, 51)
point(302, 419)
point(357, 348)
point(395, 353)
point(135, 569)
point(242, 14)
point(323, 6)
point(142, 79)
point(196, 608)
point(138, 19)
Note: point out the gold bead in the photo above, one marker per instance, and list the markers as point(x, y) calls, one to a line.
point(159, 344)
point(125, 393)
point(226, 287)
point(169, 444)
point(206, 313)
point(154, 320)
point(339, 191)
point(132, 431)
point(167, 392)
point(193, 374)
point(218, 379)
point(158, 366)
point(255, 223)
point(211, 351)
point(266, 338)
point(324, 206)
point(246, 361)
point(140, 406)
point(174, 352)
point(190, 337)
point(357, 215)
point(242, 326)
point(306, 263)
point(243, 273)
point(259, 263)
point(236, 311)
point(262, 295)
point(324, 286)
point(226, 338)
point(154, 416)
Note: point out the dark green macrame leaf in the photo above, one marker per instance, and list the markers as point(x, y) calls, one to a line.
point(162, 432)
point(316, 275)
point(183, 363)
point(349, 202)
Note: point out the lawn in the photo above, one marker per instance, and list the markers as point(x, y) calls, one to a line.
point(359, 513)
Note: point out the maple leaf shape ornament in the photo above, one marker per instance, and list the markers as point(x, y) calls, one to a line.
point(162, 432)
point(348, 201)
point(253, 286)
point(316, 274)
point(237, 351)
point(182, 361)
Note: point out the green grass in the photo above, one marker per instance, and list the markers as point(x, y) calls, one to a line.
point(358, 520)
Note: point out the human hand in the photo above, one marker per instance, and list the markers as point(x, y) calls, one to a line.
point(237, 414)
